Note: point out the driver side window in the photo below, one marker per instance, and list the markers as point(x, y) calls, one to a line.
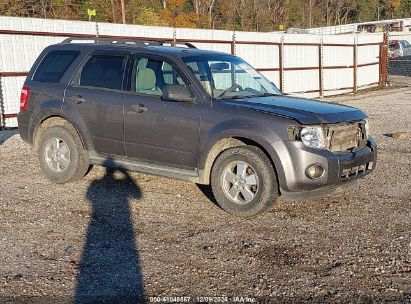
point(152, 75)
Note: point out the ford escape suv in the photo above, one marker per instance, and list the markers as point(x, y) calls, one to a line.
point(202, 116)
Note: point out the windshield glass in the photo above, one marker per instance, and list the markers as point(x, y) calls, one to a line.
point(225, 76)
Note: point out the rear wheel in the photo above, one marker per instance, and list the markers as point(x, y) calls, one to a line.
point(243, 181)
point(61, 155)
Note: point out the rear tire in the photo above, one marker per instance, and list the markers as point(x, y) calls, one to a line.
point(243, 181)
point(61, 155)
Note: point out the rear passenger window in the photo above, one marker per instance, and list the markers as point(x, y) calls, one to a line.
point(54, 65)
point(103, 72)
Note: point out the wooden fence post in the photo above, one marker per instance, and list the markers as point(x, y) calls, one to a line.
point(383, 61)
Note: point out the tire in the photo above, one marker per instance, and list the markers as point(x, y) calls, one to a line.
point(256, 177)
point(69, 147)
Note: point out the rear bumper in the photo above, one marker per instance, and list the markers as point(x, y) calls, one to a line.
point(23, 119)
point(340, 169)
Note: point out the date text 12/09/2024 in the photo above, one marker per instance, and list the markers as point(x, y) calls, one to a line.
point(186, 299)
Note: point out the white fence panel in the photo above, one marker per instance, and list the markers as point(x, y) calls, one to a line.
point(291, 61)
point(368, 75)
point(258, 37)
point(47, 25)
point(128, 30)
point(296, 56)
point(262, 54)
point(338, 56)
point(337, 79)
point(301, 81)
point(18, 52)
point(368, 54)
point(259, 56)
point(198, 34)
point(219, 47)
point(273, 77)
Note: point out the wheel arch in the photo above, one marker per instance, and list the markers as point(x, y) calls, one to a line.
point(230, 142)
point(54, 120)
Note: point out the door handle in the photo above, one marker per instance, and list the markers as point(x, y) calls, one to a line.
point(78, 99)
point(139, 108)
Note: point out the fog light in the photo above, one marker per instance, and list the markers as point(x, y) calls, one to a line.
point(315, 171)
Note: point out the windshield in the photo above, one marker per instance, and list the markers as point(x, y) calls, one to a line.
point(225, 76)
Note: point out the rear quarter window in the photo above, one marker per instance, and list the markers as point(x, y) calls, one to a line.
point(102, 71)
point(54, 65)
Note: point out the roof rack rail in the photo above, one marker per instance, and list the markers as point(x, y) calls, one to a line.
point(113, 40)
point(129, 41)
point(187, 44)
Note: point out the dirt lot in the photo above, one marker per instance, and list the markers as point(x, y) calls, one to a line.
point(116, 237)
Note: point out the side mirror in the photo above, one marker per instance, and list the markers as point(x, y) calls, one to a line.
point(176, 92)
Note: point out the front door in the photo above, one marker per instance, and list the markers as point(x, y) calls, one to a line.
point(97, 95)
point(156, 130)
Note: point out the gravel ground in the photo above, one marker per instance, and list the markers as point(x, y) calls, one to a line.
point(116, 237)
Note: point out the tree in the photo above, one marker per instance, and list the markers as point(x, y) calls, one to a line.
point(391, 6)
point(247, 15)
point(174, 14)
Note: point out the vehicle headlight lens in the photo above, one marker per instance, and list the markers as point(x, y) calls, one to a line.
point(313, 137)
point(367, 128)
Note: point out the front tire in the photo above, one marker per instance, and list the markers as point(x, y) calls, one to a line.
point(61, 155)
point(243, 181)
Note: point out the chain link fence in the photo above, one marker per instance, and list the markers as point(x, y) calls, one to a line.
point(399, 58)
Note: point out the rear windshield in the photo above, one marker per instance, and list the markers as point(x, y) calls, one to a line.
point(54, 65)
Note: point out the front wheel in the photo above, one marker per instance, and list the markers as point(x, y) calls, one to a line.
point(243, 181)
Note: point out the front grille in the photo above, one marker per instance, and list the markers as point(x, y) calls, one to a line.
point(347, 173)
point(347, 136)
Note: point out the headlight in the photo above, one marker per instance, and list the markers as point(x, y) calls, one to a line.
point(367, 128)
point(313, 137)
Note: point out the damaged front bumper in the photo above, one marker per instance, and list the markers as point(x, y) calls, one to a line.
point(339, 168)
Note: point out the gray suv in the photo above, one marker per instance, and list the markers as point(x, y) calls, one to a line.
point(202, 116)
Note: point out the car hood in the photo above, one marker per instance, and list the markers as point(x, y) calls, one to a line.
point(305, 111)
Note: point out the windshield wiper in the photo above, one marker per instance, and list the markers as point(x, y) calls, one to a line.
point(234, 97)
point(266, 95)
point(247, 96)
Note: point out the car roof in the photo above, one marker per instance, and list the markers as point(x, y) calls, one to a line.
point(157, 49)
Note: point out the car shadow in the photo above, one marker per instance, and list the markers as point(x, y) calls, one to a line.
point(109, 270)
point(208, 192)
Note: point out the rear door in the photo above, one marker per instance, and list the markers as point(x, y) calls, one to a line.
point(156, 130)
point(97, 95)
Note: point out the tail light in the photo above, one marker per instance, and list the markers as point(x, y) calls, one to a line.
point(24, 98)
